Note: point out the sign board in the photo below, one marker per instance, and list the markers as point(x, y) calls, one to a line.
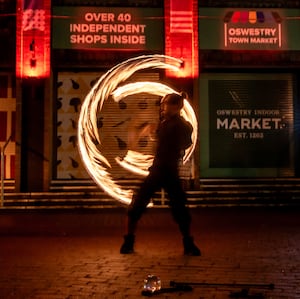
point(33, 38)
point(249, 29)
point(108, 28)
point(252, 29)
point(246, 125)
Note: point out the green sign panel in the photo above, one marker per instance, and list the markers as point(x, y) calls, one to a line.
point(249, 29)
point(108, 28)
point(246, 126)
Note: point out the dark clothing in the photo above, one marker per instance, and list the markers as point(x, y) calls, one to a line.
point(174, 136)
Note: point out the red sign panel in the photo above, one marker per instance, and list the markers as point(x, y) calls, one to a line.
point(181, 35)
point(33, 38)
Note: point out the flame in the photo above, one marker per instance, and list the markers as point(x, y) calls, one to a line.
point(136, 162)
point(161, 90)
point(88, 136)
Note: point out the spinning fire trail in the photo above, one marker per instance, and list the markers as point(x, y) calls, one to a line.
point(107, 89)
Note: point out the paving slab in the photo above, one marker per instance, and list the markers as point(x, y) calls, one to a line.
point(75, 254)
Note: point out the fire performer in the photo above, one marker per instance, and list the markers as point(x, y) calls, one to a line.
point(173, 137)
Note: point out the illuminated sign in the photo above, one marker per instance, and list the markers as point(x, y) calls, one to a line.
point(181, 35)
point(249, 29)
point(252, 29)
point(107, 28)
point(33, 39)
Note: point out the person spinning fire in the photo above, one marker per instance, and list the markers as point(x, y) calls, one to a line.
point(173, 138)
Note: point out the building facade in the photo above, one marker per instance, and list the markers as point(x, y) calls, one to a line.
point(241, 71)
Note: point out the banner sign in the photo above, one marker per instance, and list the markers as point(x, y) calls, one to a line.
point(252, 29)
point(249, 29)
point(108, 28)
point(181, 36)
point(33, 38)
point(250, 124)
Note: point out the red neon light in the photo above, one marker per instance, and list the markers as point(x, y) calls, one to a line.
point(181, 35)
point(33, 38)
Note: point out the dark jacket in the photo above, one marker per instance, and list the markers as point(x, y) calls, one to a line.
point(173, 137)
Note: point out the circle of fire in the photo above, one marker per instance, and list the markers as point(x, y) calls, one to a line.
point(107, 87)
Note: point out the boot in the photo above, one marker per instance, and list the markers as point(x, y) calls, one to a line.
point(189, 247)
point(127, 246)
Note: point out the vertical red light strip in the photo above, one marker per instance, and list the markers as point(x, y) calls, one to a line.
point(33, 38)
point(181, 35)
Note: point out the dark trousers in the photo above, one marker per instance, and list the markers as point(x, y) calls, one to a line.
point(169, 180)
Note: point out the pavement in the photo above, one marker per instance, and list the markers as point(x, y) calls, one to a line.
point(75, 254)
